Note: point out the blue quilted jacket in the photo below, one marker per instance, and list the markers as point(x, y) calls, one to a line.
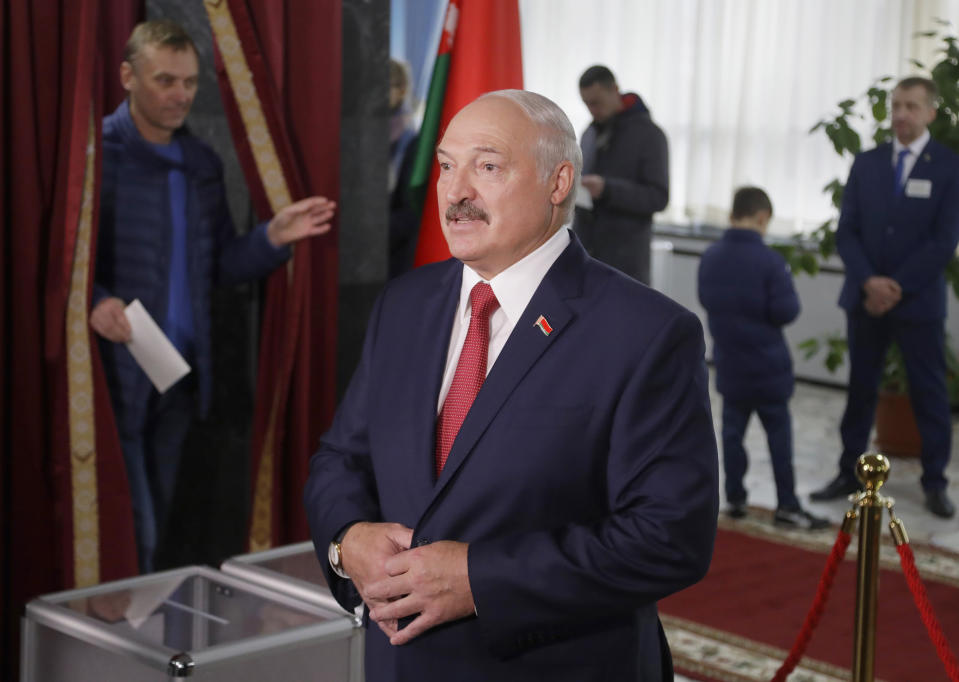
point(747, 291)
point(133, 249)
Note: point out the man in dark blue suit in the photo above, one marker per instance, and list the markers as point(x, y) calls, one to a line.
point(898, 229)
point(532, 540)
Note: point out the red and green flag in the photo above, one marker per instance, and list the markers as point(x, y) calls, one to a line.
point(480, 50)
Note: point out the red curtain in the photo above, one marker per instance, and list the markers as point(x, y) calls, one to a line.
point(292, 50)
point(49, 118)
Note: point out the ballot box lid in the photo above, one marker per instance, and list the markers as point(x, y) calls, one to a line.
point(293, 569)
point(198, 611)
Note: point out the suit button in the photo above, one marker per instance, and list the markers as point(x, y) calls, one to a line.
point(889, 230)
point(422, 542)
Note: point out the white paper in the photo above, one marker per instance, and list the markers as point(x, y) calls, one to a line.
point(583, 198)
point(144, 600)
point(152, 350)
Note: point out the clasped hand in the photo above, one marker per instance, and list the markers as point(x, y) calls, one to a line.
point(882, 294)
point(429, 582)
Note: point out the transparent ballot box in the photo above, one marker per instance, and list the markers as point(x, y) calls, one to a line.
point(291, 569)
point(193, 622)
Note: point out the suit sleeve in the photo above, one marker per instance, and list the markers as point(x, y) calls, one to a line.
point(925, 264)
point(648, 191)
point(340, 487)
point(849, 237)
point(662, 499)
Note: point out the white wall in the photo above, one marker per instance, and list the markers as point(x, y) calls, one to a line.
point(674, 273)
point(735, 84)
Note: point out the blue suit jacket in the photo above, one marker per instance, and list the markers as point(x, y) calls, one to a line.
point(584, 476)
point(909, 239)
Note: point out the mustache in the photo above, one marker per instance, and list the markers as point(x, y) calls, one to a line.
point(465, 210)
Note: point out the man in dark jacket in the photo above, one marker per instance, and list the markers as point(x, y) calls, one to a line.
point(165, 238)
point(625, 171)
point(747, 291)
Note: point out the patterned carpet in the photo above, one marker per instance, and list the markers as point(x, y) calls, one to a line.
point(739, 623)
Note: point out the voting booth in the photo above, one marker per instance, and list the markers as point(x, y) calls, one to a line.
point(193, 622)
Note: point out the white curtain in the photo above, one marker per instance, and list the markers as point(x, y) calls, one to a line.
point(735, 84)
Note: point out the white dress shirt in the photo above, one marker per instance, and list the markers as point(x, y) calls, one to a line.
point(513, 287)
point(915, 149)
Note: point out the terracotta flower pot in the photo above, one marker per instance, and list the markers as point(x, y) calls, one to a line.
point(896, 430)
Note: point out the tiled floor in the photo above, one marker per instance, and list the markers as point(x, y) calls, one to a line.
point(816, 411)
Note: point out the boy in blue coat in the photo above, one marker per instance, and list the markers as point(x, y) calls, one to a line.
point(747, 291)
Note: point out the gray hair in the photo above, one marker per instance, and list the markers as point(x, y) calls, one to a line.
point(557, 139)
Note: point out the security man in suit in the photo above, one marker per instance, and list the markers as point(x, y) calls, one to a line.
point(524, 462)
point(898, 229)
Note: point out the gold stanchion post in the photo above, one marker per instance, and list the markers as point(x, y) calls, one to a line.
point(872, 470)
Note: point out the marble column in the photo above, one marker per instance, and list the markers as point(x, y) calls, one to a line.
point(364, 157)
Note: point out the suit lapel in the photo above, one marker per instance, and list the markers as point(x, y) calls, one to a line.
point(526, 344)
point(887, 176)
point(428, 359)
point(925, 163)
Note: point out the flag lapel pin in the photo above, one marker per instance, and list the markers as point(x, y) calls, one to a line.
point(543, 326)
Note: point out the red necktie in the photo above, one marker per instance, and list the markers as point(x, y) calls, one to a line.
point(470, 372)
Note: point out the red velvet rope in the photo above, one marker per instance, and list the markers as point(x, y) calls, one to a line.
point(925, 611)
point(815, 611)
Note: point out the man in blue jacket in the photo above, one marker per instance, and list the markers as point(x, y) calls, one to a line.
point(166, 238)
point(898, 229)
point(747, 291)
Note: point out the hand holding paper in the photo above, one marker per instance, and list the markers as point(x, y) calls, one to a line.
point(152, 350)
point(109, 320)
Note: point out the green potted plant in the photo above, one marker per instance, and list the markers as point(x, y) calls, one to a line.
point(895, 425)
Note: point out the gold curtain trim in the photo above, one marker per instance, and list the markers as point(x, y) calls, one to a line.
point(274, 183)
point(261, 523)
point(254, 122)
point(83, 457)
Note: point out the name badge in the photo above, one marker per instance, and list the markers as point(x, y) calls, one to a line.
point(918, 189)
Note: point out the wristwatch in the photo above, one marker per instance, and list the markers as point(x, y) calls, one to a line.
point(335, 552)
point(335, 556)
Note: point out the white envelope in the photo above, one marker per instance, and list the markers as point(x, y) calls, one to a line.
point(152, 350)
point(583, 198)
point(145, 600)
point(918, 188)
